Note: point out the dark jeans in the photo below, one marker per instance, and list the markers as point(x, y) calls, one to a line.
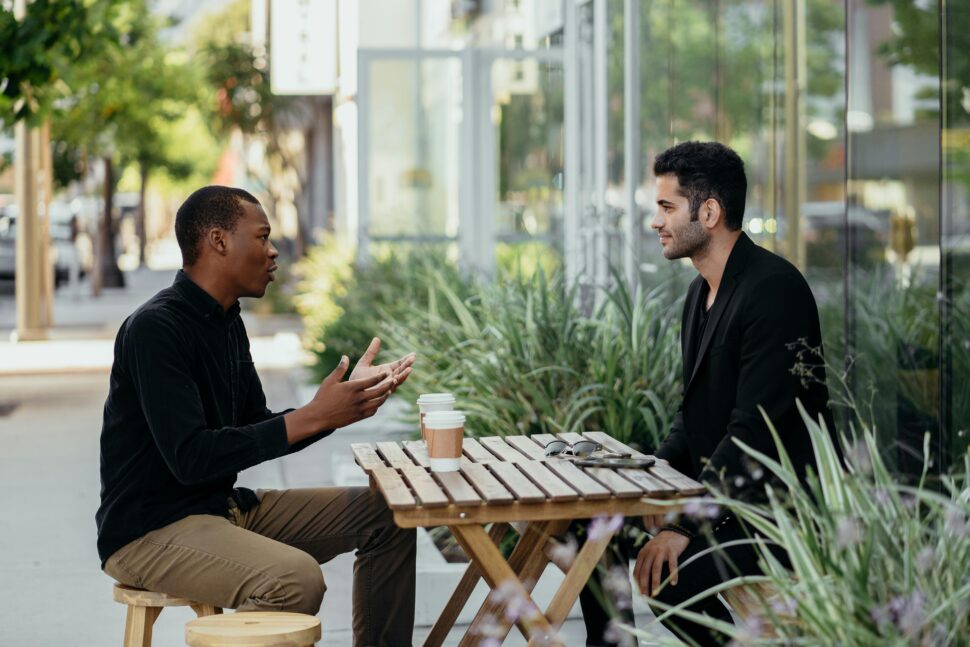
point(709, 570)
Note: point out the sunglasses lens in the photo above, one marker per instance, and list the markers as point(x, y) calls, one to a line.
point(585, 447)
point(555, 448)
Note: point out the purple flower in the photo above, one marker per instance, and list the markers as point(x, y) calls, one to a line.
point(912, 617)
point(858, 456)
point(505, 591)
point(848, 532)
point(694, 508)
point(749, 631)
point(880, 615)
point(604, 526)
point(784, 606)
point(563, 554)
point(617, 581)
point(955, 522)
point(490, 629)
point(616, 635)
point(926, 559)
point(882, 496)
point(905, 612)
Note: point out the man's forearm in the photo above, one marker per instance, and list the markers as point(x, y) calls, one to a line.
point(301, 424)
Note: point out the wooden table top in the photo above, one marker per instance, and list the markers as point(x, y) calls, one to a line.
point(511, 479)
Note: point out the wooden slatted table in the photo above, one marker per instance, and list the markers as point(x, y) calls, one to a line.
point(510, 480)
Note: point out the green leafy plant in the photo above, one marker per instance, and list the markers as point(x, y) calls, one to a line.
point(344, 307)
point(873, 561)
point(522, 358)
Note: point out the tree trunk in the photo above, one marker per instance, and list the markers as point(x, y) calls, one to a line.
point(109, 274)
point(140, 229)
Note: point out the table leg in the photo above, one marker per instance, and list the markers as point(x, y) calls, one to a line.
point(576, 578)
point(460, 597)
point(497, 572)
point(528, 560)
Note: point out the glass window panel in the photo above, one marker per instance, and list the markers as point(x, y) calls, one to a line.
point(528, 116)
point(893, 220)
point(956, 228)
point(414, 130)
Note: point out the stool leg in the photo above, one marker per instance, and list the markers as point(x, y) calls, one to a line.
point(203, 610)
point(138, 625)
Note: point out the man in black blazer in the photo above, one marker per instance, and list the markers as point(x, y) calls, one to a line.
point(746, 317)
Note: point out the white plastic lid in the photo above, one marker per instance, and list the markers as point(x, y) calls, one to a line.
point(444, 419)
point(436, 398)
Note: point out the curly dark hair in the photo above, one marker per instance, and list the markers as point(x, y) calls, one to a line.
point(707, 170)
point(208, 207)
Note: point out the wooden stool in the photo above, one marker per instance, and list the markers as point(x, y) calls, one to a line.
point(144, 607)
point(253, 628)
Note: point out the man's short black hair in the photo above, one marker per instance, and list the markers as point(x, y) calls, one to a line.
point(707, 170)
point(209, 207)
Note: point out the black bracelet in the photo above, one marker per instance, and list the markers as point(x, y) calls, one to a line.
point(680, 530)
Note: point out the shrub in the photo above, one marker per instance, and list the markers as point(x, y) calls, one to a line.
point(344, 307)
point(873, 561)
point(522, 358)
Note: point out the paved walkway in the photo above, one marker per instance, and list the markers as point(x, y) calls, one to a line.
point(50, 416)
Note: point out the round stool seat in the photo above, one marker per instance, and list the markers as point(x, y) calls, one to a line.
point(264, 629)
point(141, 598)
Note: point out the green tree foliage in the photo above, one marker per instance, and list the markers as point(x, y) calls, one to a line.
point(40, 49)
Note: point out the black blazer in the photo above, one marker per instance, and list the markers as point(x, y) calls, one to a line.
point(763, 314)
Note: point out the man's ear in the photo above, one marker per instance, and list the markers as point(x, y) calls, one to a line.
point(711, 213)
point(215, 239)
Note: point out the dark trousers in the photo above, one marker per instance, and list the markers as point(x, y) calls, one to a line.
point(602, 603)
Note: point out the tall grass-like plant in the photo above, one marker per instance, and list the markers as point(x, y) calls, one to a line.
point(522, 358)
point(344, 307)
point(873, 561)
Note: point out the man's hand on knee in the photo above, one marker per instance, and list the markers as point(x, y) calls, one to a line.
point(666, 547)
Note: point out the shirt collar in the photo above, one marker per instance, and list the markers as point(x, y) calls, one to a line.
point(201, 301)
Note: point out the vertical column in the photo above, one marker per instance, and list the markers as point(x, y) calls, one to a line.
point(31, 243)
point(602, 227)
point(794, 26)
point(571, 213)
point(631, 137)
point(363, 159)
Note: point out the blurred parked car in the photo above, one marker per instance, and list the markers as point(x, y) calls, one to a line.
point(63, 252)
point(8, 251)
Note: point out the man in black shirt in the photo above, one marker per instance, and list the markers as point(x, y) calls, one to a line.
point(747, 315)
point(186, 412)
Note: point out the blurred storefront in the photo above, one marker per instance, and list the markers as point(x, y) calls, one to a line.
point(484, 125)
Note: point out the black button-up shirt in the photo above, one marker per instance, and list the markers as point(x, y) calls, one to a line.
point(185, 413)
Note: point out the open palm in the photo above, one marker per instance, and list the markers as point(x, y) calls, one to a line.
point(399, 369)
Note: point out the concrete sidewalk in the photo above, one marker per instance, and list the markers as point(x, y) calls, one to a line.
point(82, 338)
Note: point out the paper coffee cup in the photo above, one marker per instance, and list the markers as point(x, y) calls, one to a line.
point(445, 430)
point(429, 402)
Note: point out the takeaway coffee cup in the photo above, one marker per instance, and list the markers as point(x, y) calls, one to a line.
point(429, 402)
point(445, 431)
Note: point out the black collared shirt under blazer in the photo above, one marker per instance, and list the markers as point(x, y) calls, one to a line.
point(763, 317)
point(185, 413)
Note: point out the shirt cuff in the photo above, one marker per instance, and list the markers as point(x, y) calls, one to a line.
point(271, 438)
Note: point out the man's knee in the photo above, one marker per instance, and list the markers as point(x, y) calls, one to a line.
point(297, 585)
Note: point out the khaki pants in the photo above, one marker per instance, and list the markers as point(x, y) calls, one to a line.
point(267, 559)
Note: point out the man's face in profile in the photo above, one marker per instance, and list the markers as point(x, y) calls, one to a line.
point(681, 236)
point(252, 257)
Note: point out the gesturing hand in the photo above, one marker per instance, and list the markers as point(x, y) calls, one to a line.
point(399, 369)
point(338, 404)
point(667, 546)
